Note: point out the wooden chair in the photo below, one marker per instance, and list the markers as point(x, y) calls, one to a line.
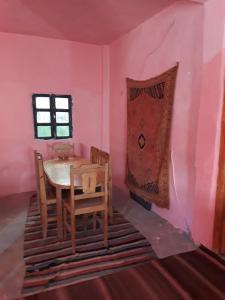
point(101, 157)
point(45, 198)
point(36, 156)
point(61, 150)
point(91, 200)
point(104, 158)
point(94, 155)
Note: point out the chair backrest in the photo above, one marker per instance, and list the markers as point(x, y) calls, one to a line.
point(94, 155)
point(41, 189)
point(61, 150)
point(40, 178)
point(98, 156)
point(104, 157)
point(101, 157)
point(93, 182)
point(36, 156)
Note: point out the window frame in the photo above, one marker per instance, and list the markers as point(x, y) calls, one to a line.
point(52, 110)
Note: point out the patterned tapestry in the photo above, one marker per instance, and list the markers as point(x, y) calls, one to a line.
point(149, 113)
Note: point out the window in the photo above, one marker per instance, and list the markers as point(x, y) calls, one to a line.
point(52, 116)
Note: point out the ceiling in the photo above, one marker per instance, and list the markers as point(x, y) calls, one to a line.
point(89, 21)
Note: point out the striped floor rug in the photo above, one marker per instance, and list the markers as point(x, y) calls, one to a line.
point(195, 275)
point(50, 263)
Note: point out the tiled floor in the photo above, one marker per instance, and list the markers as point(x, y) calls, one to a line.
point(165, 239)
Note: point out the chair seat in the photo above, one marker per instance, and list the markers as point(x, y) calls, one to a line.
point(86, 205)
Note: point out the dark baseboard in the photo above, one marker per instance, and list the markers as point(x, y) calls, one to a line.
point(141, 201)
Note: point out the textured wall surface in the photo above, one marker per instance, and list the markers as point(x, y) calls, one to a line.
point(40, 65)
point(183, 33)
point(188, 33)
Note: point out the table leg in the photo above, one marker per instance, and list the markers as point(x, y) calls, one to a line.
point(59, 213)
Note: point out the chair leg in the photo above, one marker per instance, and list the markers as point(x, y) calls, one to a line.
point(110, 215)
point(44, 223)
point(85, 221)
point(94, 220)
point(64, 223)
point(73, 232)
point(44, 231)
point(106, 228)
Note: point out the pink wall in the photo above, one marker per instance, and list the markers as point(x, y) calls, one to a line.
point(105, 142)
point(209, 121)
point(153, 47)
point(32, 64)
point(95, 77)
point(177, 34)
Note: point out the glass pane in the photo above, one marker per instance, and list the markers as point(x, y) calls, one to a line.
point(42, 102)
point(62, 131)
point(44, 131)
point(62, 117)
point(61, 103)
point(43, 117)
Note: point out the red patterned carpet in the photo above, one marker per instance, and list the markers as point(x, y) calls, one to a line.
point(198, 275)
point(51, 264)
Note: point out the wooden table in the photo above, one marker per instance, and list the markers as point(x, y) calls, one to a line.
point(58, 173)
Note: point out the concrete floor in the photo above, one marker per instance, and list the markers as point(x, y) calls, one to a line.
point(13, 211)
point(165, 239)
